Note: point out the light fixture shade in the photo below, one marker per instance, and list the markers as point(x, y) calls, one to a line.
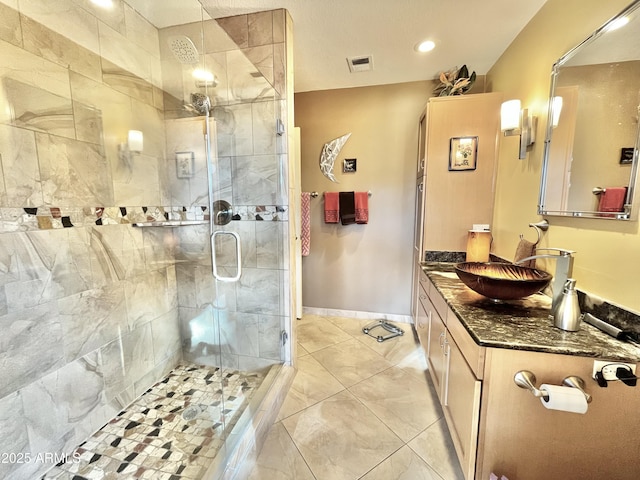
point(202, 74)
point(510, 115)
point(135, 141)
point(103, 3)
point(478, 246)
point(556, 108)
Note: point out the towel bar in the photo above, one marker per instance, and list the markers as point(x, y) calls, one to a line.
point(315, 194)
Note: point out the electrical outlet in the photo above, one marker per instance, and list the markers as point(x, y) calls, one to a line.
point(609, 368)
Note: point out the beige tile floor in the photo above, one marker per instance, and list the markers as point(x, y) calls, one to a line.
point(357, 409)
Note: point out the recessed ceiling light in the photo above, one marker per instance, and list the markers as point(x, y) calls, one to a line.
point(425, 46)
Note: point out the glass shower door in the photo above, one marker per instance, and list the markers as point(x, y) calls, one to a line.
point(232, 274)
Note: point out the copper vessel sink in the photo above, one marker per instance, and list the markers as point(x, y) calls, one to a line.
point(502, 281)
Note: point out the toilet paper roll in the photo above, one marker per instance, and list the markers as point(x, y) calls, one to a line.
point(567, 399)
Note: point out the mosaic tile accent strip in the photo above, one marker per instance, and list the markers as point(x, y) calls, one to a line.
point(173, 431)
point(48, 218)
point(267, 213)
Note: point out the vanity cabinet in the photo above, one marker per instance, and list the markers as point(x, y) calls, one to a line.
point(497, 427)
point(456, 384)
point(461, 405)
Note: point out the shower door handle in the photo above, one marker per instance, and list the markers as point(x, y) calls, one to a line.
point(214, 257)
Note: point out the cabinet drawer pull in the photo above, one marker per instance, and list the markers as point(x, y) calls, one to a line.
point(441, 340)
point(423, 297)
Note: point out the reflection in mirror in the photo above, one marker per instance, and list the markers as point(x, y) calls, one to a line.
point(591, 147)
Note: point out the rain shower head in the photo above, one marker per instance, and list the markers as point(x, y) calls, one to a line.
point(184, 49)
point(201, 103)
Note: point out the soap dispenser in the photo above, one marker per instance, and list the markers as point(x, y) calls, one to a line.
point(567, 315)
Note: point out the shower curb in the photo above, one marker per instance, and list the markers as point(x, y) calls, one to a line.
point(240, 462)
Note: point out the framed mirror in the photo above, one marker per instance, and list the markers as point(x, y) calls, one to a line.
point(592, 141)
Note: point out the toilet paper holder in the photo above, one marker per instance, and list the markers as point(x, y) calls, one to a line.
point(527, 380)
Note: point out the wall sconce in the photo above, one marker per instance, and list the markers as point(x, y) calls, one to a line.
point(204, 78)
point(135, 143)
point(517, 121)
point(556, 108)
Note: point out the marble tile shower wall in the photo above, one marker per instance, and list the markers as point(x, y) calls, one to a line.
point(92, 314)
point(89, 314)
point(246, 53)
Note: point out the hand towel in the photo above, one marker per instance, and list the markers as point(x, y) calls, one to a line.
point(347, 208)
point(525, 249)
point(305, 222)
point(362, 207)
point(612, 199)
point(331, 207)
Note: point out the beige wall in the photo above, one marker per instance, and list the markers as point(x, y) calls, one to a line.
point(607, 251)
point(362, 267)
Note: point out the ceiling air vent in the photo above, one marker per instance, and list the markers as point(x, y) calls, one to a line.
point(360, 64)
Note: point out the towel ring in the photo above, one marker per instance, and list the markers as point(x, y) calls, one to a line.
point(539, 227)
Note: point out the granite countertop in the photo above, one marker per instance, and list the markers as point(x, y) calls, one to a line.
point(521, 324)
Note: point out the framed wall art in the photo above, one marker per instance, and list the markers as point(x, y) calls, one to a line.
point(626, 156)
point(349, 165)
point(463, 153)
point(184, 164)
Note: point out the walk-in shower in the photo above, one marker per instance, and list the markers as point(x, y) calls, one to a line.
point(157, 335)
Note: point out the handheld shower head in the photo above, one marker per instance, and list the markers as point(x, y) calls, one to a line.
point(201, 103)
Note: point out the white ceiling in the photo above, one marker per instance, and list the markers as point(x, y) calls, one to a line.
point(326, 32)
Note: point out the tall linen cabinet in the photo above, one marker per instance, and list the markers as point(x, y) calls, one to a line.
point(455, 186)
point(450, 198)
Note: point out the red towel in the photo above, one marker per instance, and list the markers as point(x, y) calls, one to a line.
point(331, 207)
point(305, 224)
point(362, 207)
point(612, 199)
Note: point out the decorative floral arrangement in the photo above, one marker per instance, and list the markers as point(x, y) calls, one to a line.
point(455, 82)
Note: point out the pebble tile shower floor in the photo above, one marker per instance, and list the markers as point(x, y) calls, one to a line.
point(173, 431)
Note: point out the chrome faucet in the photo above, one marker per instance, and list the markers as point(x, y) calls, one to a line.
point(564, 268)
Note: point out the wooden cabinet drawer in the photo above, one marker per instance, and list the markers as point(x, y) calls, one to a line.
point(422, 320)
point(461, 406)
point(438, 300)
point(472, 352)
point(435, 350)
point(425, 283)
